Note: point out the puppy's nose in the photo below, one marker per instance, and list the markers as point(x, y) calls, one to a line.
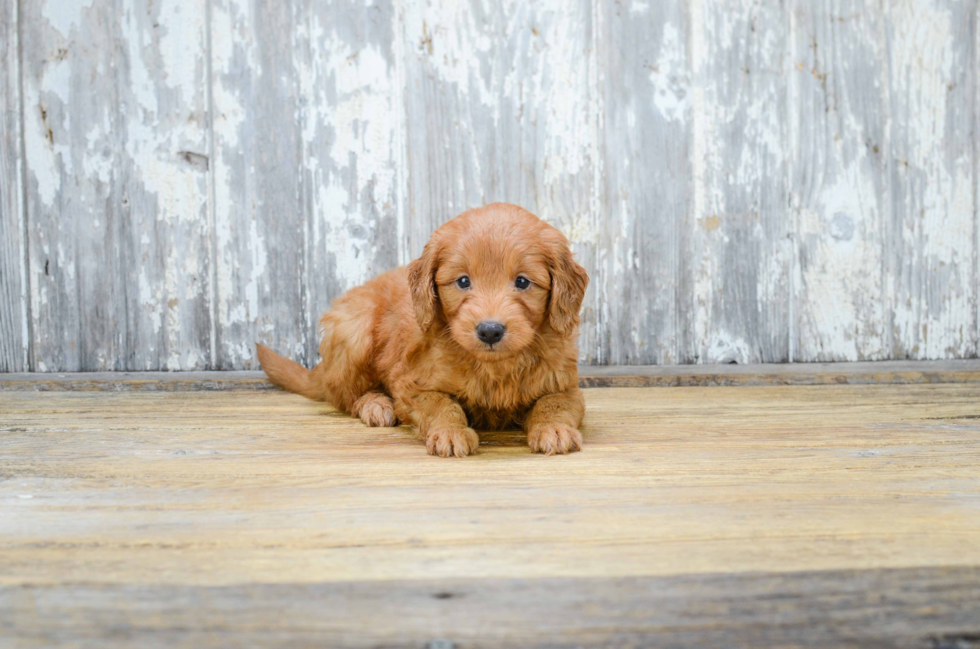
point(490, 332)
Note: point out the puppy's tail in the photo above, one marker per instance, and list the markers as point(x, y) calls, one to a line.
point(290, 375)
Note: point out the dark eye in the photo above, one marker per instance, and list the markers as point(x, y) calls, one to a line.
point(522, 283)
point(463, 282)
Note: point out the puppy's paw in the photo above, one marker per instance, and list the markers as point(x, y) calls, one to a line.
point(447, 442)
point(376, 409)
point(554, 438)
point(379, 414)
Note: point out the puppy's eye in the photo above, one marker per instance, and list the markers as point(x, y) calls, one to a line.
point(463, 282)
point(522, 283)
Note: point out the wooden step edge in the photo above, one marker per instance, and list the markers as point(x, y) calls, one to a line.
point(861, 373)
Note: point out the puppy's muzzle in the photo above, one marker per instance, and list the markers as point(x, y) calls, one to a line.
point(490, 332)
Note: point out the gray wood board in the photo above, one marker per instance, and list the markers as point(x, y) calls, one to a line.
point(745, 181)
point(14, 336)
point(647, 261)
point(743, 246)
point(839, 180)
point(927, 608)
point(933, 119)
point(115, 130)
point(307, 206)
point(260, 223)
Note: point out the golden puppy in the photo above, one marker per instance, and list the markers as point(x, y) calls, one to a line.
point(478, 332)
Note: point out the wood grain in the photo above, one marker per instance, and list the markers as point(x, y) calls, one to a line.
point(308, 207)
point(115, 107)
point(931, 81)
point(260, 222)
point(741, 234)
point(780, 513)
point(839, 181)
point(14, 335)
point(976, 178)
point(919, 608)
point(647, 259)
point(747, 181)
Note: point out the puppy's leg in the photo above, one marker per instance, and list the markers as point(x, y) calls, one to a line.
point(552, 425)
point(441, 421)
point(375, 409)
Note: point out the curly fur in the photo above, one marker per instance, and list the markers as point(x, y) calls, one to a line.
point(403, 347)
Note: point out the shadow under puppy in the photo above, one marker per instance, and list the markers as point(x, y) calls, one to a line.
point(479, 332)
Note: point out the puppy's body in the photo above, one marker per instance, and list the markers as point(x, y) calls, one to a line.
point(407, 344)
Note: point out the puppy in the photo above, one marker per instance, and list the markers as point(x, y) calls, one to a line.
point(479, 332)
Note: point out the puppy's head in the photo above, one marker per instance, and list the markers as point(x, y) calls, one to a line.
point(495, 277)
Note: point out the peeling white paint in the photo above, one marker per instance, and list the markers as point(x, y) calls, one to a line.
point(48, 158)
point(64, 15)
point(936, 198)
point(639, 7)
point(100, 150)
point(838, 284)
point(362, 121)
point(670, 78)
point(726, 347)
point(229, 35)
point(813, 142)
point(259, 257)
point(849, 311)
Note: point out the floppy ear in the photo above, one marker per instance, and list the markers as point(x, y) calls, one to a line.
point(568, 284)
point(422, 281)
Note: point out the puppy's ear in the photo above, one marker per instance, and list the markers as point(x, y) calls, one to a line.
point(422, 281)
point(568, 284)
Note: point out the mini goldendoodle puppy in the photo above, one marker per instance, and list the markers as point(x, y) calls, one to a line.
point(478, 332)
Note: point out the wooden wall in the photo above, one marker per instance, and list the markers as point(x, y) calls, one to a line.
point(746, 180)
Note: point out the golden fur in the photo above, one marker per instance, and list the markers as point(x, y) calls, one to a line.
point(403, 347)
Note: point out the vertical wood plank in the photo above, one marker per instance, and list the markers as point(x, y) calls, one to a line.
point(931, 246)
point(345, 64)
point(741, 232)
point(116, 164)
point(305, 177)
point(839, 182)
point(500, 105)
point(645, 277)
point(260, 228)
point(13, 282)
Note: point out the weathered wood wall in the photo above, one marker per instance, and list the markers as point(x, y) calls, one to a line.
point(746, 180)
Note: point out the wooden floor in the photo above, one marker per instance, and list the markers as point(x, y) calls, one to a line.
point(738, 516)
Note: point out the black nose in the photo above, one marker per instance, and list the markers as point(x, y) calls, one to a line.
point(490, 332)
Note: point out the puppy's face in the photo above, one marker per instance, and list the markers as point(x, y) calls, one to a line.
point(494, 295)
point(497, 277)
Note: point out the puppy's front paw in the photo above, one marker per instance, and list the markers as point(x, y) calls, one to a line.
point(554, 438)
point(447, 442)
point(375, 409)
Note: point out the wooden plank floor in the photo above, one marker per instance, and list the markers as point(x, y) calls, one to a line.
point(739, 516)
